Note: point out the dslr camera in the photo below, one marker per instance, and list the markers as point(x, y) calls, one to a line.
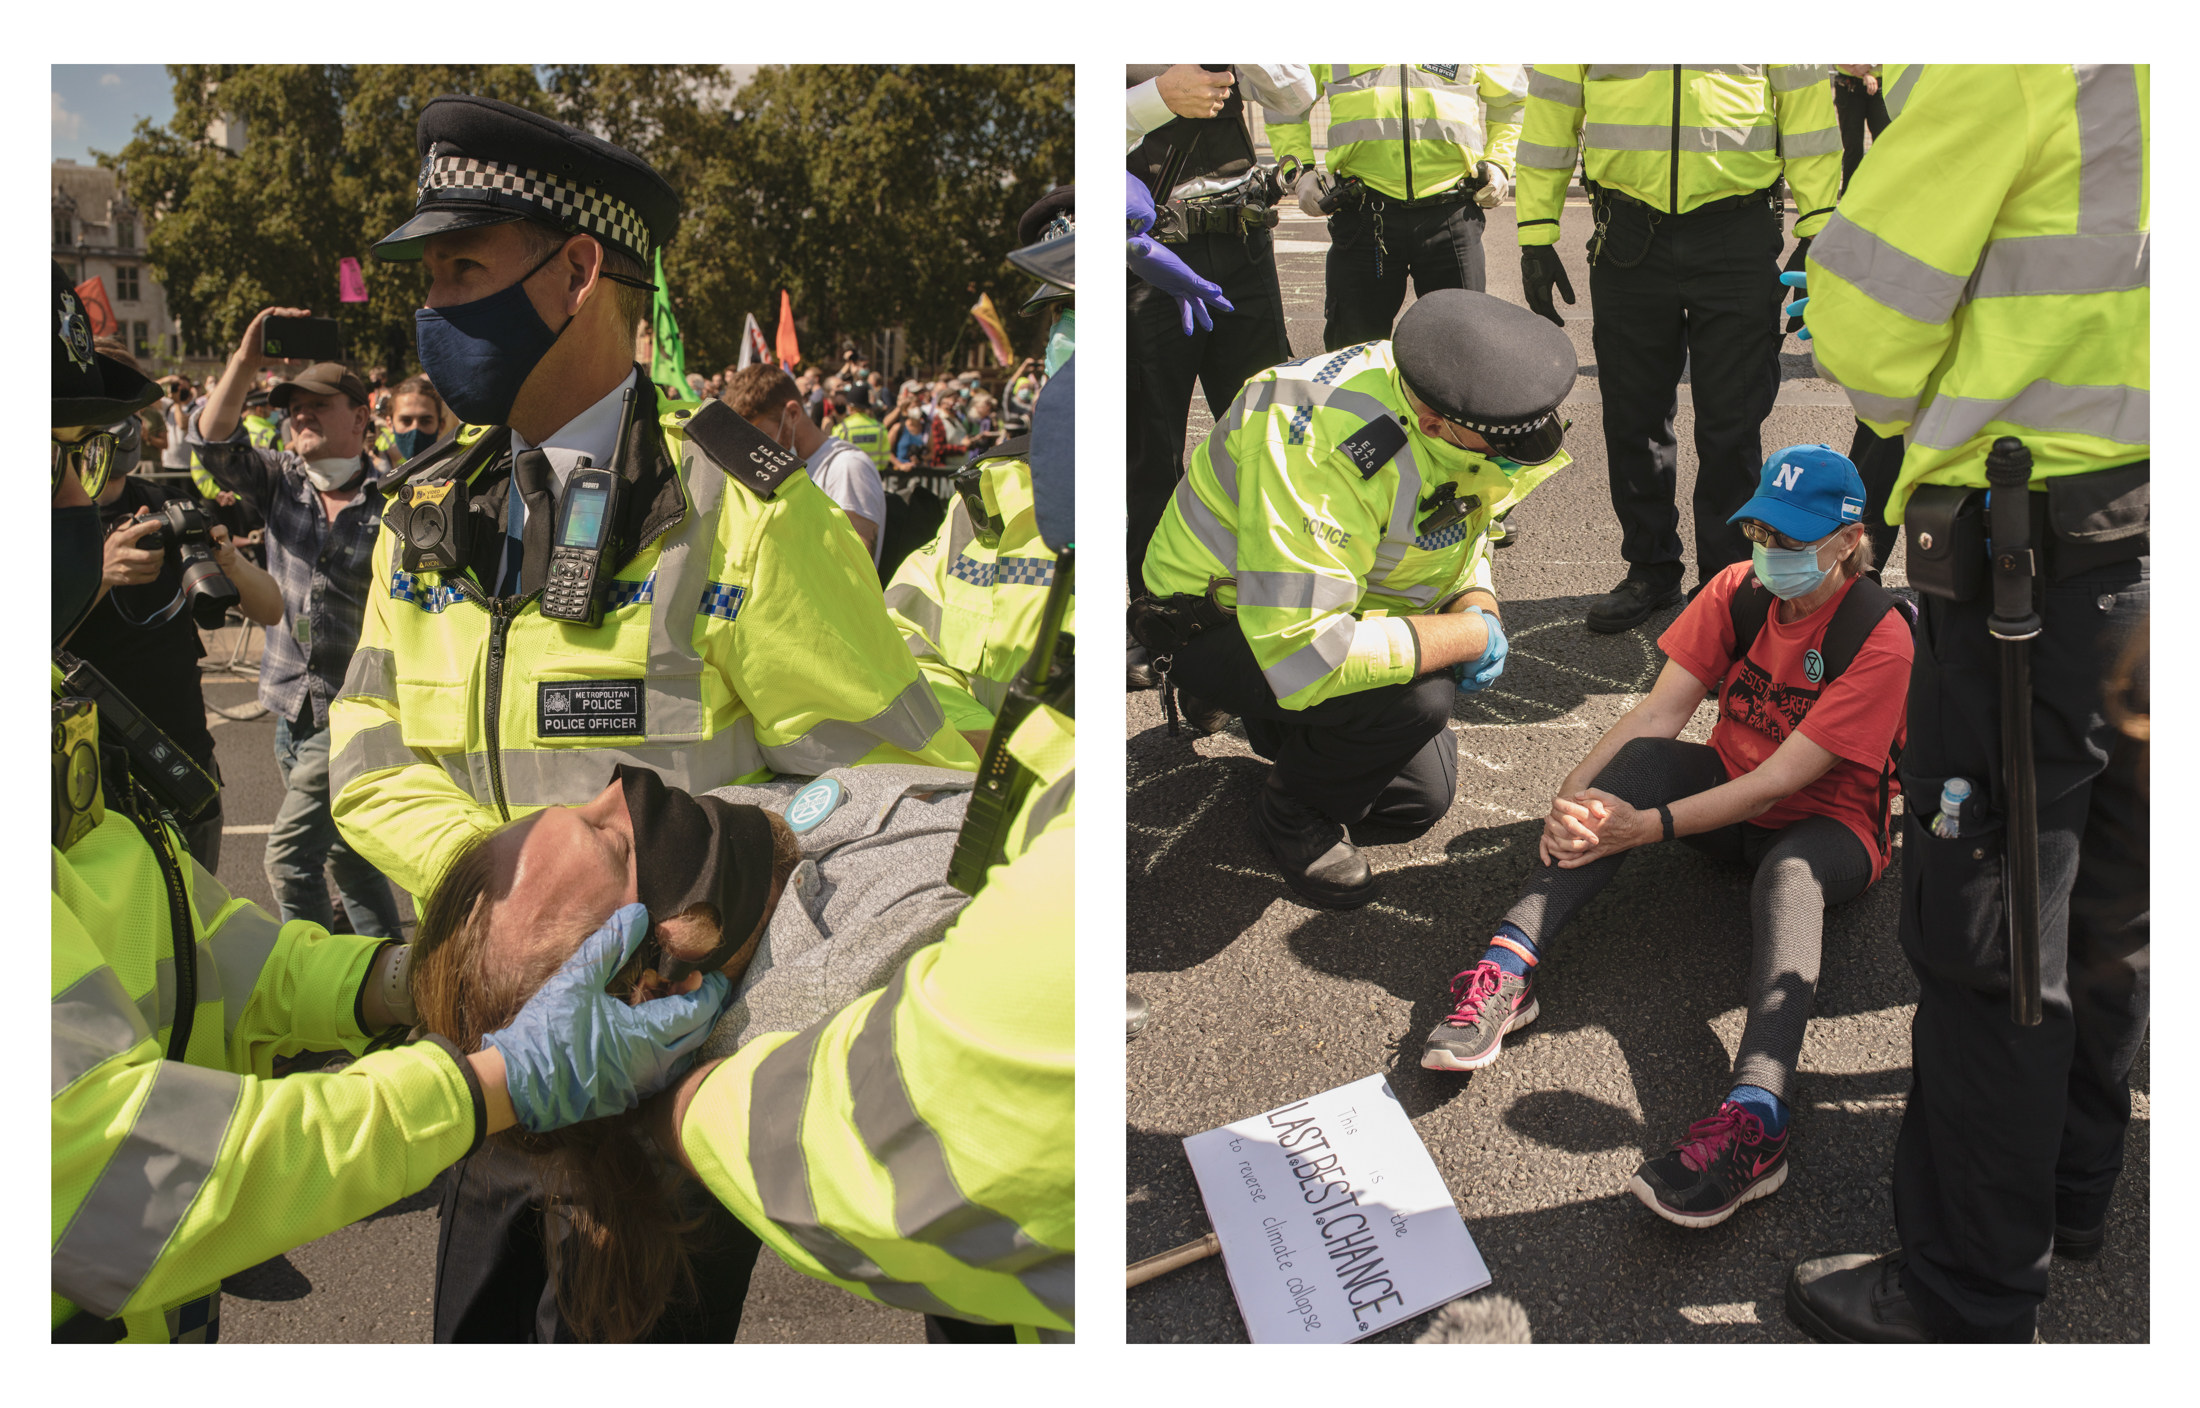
point(183, 535)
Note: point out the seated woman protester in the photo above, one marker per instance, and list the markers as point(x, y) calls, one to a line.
point(805, 896)
point(1814, 662)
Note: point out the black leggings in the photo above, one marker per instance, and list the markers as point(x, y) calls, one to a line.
point(1801, 868)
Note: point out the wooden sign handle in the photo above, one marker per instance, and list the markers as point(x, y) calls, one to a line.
point(1171, 1259)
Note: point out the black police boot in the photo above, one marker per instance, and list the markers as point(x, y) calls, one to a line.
point(1628, 605)
point(1854, 1299)
point(1138, 668)
point(1200, 715)
point(1318, 860)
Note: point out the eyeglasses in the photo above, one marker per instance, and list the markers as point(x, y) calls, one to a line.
point(1762, 533)
point(91, 459)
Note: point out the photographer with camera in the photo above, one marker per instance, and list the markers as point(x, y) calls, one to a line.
point(322, 500)
point(164, 574)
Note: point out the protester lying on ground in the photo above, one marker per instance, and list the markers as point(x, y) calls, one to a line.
point(820, 915)
point(1795, 783)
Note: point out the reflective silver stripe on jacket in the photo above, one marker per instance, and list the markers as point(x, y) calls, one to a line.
point(908, 600)
point(928, 1204)
point(2117, 413)
point(778, 1099)
point(1885, 274)
point(1595, 73)
point(1788, 78)
point(94, 1021)
point(372, 674)
point(908, 723)
point(1048, 805)
point(1870, 405)
point(149, 1183)
point(2025, 265)
point(2108, 140)
point(1544, 158)
point(1297, 591)
point(1628, 137)
point(1217, 537)
point(1344, 80)
point(371, 750)
point(1898, 96)
point(1552, 88)
point(1318, 657)
point(1823, 141)
point(555, 776)
point(1392, 129)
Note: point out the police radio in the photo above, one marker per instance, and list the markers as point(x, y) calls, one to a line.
point(588, 509)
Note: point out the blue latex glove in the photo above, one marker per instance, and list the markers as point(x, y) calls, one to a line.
point(1798, 279)
point(1159, 266)
point(1138, 203)
point(576, 1053)
point(1477, 675)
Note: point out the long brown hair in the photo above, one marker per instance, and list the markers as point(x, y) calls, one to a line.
point(627, 1256)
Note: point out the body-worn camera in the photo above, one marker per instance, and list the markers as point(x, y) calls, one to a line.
point(183, 534)
point(77, 807)
point(173, 776)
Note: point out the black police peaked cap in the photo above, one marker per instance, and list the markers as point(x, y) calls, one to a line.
point(1491, 366)
point(89, 387)
point(483, 162)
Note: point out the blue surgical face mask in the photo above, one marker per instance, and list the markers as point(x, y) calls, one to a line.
point(1788, 575)
point(480, 354)
point(1061, 340)
point(408, 443)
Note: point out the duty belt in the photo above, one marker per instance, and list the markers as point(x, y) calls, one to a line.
point(1455, 195)
point(1766, 196)
point(1238, 213)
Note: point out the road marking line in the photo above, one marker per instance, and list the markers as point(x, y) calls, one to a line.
point(246, 830)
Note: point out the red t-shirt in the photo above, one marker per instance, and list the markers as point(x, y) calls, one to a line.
point(1767, 698)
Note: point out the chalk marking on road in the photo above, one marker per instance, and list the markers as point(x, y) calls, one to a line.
point(246, 830)
point(1879, 1106)
point(1170, 835)
point(1631, 687)
point(1501, 811)
point(1734, 1313)
point(1485, 762)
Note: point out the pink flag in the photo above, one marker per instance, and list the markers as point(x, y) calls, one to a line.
point(351, 281)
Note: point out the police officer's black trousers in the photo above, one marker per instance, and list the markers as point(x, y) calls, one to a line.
point(492, 1275)
point(1382, 756)
point(2011, 1130)
point(1441, 245)
point(1164, 364)
point(1706, 293)
point(1878, 462)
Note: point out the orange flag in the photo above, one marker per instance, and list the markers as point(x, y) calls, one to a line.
point(996, 332)
point(790, 351)
point(93, 294)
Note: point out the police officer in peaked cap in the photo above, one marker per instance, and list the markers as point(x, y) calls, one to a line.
point(1324, 571)
point(540, 240)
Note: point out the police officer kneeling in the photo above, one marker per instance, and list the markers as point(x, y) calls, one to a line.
point(177, 1160)
point(1322, 570)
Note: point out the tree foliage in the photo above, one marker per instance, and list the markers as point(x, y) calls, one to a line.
point(879, 196)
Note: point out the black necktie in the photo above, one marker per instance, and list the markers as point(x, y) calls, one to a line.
point(532, 469)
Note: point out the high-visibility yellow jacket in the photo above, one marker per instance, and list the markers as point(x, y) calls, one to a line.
point(862, 430)
point(256, 430)
point(1895, 83)
point(1325, 559)
point(968, 602)
point(169, 1175)
point(1679, 136)
point(263, 432)
point(1461, 114)
point(749, 633)
point(918, 1147)
point(2014, 300)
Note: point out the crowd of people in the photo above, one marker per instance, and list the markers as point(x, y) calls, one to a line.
point(678, 759)
point(1321, 568)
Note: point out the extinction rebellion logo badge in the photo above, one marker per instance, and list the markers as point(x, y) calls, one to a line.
point(1814, 666)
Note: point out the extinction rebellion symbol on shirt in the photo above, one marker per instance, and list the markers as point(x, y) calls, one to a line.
point(813, 804)
point(589, 708)
point(1814, 666)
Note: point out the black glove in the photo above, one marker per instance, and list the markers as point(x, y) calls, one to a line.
point(1795, 266)
point(1540, 267)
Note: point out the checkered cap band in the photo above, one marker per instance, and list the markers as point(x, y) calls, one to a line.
point(1521, 428)
point(606, 217)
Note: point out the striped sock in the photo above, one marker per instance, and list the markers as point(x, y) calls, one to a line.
point(1512, 950)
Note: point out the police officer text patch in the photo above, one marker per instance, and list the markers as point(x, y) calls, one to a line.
point(588, 708)
point(1372, 445)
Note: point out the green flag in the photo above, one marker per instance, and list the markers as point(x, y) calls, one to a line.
point(668, 360)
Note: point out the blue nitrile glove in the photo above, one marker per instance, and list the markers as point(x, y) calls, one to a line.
point(576, 1053)
point(1476, 675)
point(1161, 268)
point(1138, 202)
point(1798, 280)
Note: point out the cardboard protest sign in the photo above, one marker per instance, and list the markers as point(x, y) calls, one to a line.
point(1333, 1219)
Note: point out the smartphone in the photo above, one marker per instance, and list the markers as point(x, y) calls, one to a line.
point(305, 339)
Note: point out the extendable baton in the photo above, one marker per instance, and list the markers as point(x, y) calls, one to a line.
point(2015, 623)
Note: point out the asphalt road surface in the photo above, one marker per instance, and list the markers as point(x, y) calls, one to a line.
point(1260, 1000)
point(374, 1281)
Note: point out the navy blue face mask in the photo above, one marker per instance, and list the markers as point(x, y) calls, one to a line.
point(480, 354)
point(411, 442)
point(77, 543)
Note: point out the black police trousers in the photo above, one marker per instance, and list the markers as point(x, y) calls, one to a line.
point(2011, 1130)
point(1705, 293)
point(1164, 364)
point(1382, 756)
point(1440, 245)
point(1878, 462)
point(492, 1275)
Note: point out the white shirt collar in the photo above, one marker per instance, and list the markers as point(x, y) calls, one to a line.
point(594, 433)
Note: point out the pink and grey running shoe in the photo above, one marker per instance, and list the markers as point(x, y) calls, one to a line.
point(1487, 1002)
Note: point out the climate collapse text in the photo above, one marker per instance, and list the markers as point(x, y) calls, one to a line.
point(1347, 1233)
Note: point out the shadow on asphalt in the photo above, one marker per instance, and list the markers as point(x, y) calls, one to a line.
point(272, 1280)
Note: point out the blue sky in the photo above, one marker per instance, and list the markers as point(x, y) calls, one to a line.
point(96, 105)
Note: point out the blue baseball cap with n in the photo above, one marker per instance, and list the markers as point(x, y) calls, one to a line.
point(1806, 492)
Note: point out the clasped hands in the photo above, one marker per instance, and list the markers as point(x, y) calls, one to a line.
point(1591, 825)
